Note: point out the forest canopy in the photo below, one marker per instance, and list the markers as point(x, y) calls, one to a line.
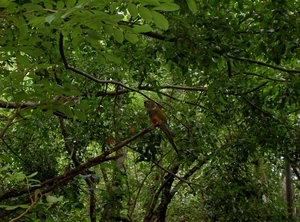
point(76, 140)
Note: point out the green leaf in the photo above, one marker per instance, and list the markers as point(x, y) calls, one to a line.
point(116, 17)
point(71, 3)
point(60, 5)
point(142, 29)
point(222, 99)
point(83, 105)
point(149, 2)
point(210, 92)
point(53, 199)
point(145, 14)
point(94, 42)
point(112, 58)
point(36, 21)
point(108, 29)
point(11, 207)
point(17, 177)
point(4, 168)
point(24, 206)
point(101, 59)
point(192, 5)
point(34, 7)
point(23, 60)
point(118, 35)
point(133, 10)
point(94, 34)
point(113, 6)
point(65, 109)
point(167, 7)
point(32, 175)
point(48, 5)
point(111, 22)
point(76, 41)
point(49, 112)
point(127, 28)
point(20, 96)
point(160, 20)
point(80, 115)
point(131, 37)
point(50, 18)
point(69, 12)
point(4, 3)
point(23, 26)
point(101, 15)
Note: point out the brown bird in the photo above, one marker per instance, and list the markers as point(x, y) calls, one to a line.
point(156, 115)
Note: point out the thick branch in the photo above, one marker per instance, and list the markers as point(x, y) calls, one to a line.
point(166, 184)
point(72, 173)
point(32, 105)
point(159, 36)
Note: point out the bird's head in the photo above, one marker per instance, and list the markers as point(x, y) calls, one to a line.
point(149, 104)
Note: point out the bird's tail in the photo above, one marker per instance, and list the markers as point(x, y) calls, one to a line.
point(169, 135)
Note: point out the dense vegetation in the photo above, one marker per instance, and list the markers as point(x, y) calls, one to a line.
point(76, 141)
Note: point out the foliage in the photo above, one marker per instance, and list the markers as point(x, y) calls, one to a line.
point(76, 143)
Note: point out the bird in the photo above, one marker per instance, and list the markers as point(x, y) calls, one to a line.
point(156, 115)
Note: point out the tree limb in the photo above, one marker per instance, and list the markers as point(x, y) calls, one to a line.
point(61, 50)
point(72, 173)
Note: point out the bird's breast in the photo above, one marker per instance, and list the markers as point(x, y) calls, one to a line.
point(154, 120)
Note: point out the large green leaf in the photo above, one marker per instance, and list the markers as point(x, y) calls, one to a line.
point(167, 7)
point(192, 5)
point(133, 10)
point(145, 13)
point(131, 37)
point(149, 2)
point(118, 35)
point(160, 20)
point(142, 28)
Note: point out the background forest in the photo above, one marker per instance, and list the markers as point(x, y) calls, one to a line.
point(76, 141)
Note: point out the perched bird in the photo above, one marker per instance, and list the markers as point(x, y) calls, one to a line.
point(156, 115)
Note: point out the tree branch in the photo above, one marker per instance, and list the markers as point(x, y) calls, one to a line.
point(264, 64)
point(265, 77)
point(8, 123)
point(296, 172)
point(252, 90)
point(258, 108)
point(61, 50)
point(72, 173)
point(32, 105)
point(178, 177)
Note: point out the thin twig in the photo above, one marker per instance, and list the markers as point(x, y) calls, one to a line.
point(265, 77)
point(252, 90)
point(264, 64)
point(61, 50)
point(36, 198)
point(8, 123)
point(178, 177)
